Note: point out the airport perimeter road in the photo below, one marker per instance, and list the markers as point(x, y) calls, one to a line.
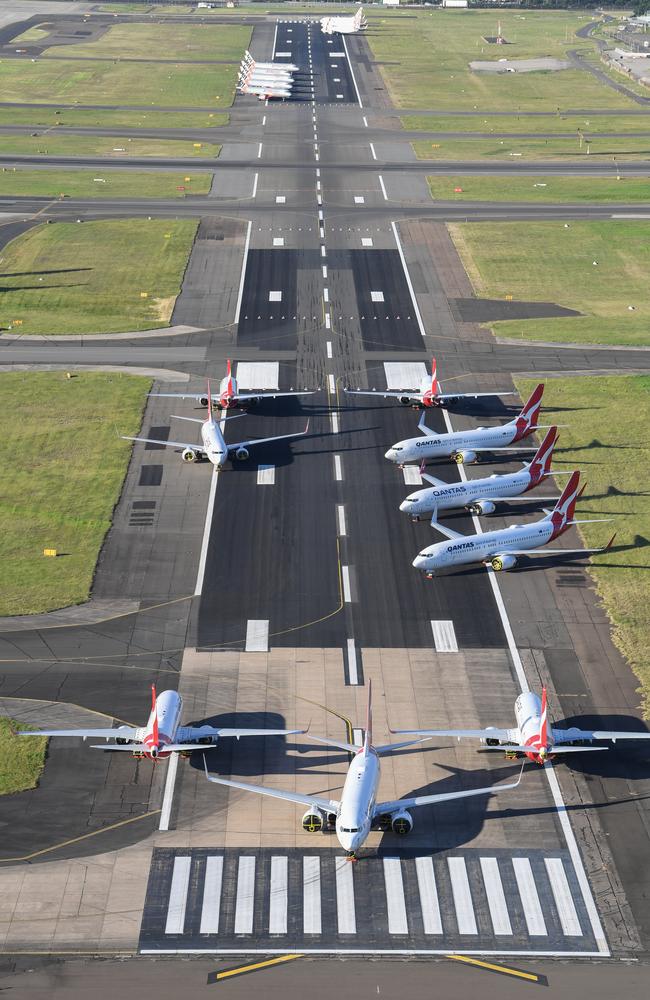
point(272, 591)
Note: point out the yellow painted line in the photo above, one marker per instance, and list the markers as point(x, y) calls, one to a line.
point(110, 618)
point(76, 840)
point(229, 973)
point(505, 970)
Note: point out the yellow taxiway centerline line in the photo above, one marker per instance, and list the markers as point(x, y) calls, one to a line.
point(504, 970)
point(229, 973)
point(75, 840)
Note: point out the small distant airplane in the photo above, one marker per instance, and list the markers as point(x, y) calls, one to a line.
point(464, 446)
point(480, 496)
point(357, 811)
point(344, 25)
point(163, 734)
point(428, 395)
point(229, 394)
point(248, 61)
point(500, 549)
point(533, 735)
point(214, 447)
point(265, 79)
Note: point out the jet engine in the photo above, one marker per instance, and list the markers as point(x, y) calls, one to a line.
point(189, 455)
point(401, 822)
point(503, 562)
point(312, 821)
point(203, 401)
point(482, 507)
point(405, 400)
point(464, 457)
point(241, 454)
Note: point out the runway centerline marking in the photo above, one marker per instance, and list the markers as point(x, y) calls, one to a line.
point(168, 797)
point(340, 517)
point(338, 469)
point(329, 348)
point(381, 185)
point(347, 593)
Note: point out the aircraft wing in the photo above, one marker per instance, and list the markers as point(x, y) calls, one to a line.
point(526, 496)
point(143, 748)
point(124, 732)
point(386, 393)
point(381, 808)
point(597, 734)
point(328, 805)
point(270, 394)
point(170, 444)
point(276, 437)
point(190, 733)
point(458, 734)
point(470, 395)
point(544, 551)
point(444, 530)
point(339, 744)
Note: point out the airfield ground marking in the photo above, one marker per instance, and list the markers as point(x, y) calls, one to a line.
point(76, 840)
point(551, 777)
point(217, 977)
point(504, 970)
point(354, 81)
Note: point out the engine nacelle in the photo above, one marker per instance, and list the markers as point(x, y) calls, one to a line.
point(482, 507)
point(405, 400)
point(312, 821)
point(464, 457)
point(189, 455)
point(503, 562)
point(401, 823)
point(241, 454)
point(203, 401)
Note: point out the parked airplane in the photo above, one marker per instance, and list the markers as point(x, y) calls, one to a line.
point(500, 548)
point(249, 61)
point(229, 394)
point(344, 25)
point(480, 496)
point(464, 446)
point(163, 734)
point(357, 811)
point(428, 395)
point(214, 447)
point(533, 735)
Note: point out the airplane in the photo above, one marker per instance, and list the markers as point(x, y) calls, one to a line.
point(480, 496)
point(229, 394)
point(465, 446)
point(344, 25)
point(163, 734)
point(248, 61)
point(428, 395)
point(500, 549)
point(214, 447)
point(357, 811)
point(533, 735)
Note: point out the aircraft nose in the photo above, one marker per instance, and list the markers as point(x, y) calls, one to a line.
point(390, 455)
point(421, 561)
point(406, 505)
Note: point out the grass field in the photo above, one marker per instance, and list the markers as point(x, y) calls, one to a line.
point(111, 119)
point(164, 41)
point(114, 183)
point(68, 278)
point(65, 483)
point(599, 148)
point(607, 437)
point(108, 82)
point(55, 144)
point(540, 188)
point(433, 50)
point(554, 262)
point(21, 759)
point(501, 125)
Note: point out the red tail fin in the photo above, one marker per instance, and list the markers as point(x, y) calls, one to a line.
point(526, 422)
point(566, 505)
point(154, 709)
point(541, 463)
point(543, 724)
point(367, 743)
point(435, 388)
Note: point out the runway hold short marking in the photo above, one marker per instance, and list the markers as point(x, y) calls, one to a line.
point(265, 475)
point(257, 636)
point(262, 900)
point(444, 636)
point(412, 475)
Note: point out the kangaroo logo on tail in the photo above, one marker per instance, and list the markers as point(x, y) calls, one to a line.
point(429, 397)
point(541, 463)
point(526, 422)
point(564, 509)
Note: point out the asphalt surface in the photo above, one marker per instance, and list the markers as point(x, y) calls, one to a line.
point(278, 555)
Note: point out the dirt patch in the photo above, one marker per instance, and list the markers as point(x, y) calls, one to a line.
point(163, 308)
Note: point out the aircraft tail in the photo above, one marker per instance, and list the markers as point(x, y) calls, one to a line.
point(367, 742)
point(562, 514)
point(541, 463)
point(154, 709)
point(435, 385)
point(543, 722)
point(209, 402)
point(526, 422)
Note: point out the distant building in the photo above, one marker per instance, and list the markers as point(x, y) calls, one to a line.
point(455, 3)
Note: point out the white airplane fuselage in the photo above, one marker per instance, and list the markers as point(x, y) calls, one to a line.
point(444, 445)
point(216, 448)
point(168, 710)
point(454, 496)
point(355, 816)
point(485, 547)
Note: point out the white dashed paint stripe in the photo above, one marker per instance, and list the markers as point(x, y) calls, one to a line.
point(257, 635)
point(372, 150)
point(340, 520)
point(334, 419)
point(279, 890)
point(353, 672)
point(326, 294)
point(381, 185)
point(566, 910)
point(323, 251)
point(331, 383)
point(311, 904)
point(429, 904)
point(329, 348)
point(244, 906)
point(259, 151)
point(529, 898)
point(345, 576)
point(255, 185)
point(347, 923)
point(175, 923)
point(365, 121)
point(396, 904)
point(265, 475)
point(324, 270)
point(495, 896)
point(444, 636)
point(338, 468)
point(462, 896)
point(211, 892)
point(328, 323)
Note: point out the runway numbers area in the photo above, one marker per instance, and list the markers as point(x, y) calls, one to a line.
point(246, 900)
